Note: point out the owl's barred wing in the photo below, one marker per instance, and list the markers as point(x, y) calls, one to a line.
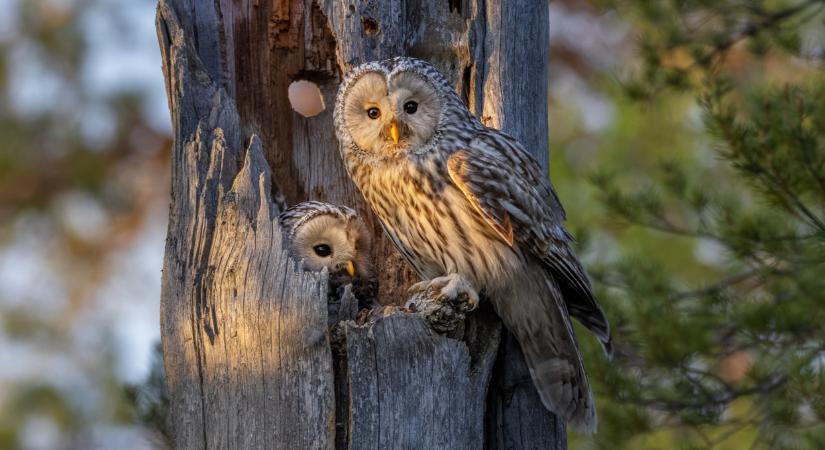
point(496, 218)
point(506, 185)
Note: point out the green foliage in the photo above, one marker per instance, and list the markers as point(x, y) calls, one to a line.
point(726, 350)
point(686, 41)
point(151, 403)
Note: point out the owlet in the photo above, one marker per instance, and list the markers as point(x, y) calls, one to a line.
point(323, 235)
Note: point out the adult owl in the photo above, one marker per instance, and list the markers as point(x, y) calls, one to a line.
point(465, 202)
point(334, 237)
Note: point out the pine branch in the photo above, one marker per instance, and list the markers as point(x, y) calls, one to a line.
point(720, 285)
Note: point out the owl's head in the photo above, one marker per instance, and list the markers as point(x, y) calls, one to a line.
point(392, 107)
point(326, 235)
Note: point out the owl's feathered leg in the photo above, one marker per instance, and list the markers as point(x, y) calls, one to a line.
point(448, 287)
point(543, 328)
point(443, 302)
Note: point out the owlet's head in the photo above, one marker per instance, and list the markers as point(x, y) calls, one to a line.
point(391, 107)
point(326, 235)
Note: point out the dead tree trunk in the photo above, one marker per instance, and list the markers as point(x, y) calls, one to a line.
point(247, 352)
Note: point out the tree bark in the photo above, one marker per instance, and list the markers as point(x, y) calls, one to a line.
point(249, 360)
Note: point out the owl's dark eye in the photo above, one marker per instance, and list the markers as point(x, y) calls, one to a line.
point(410, 107)
point(322, 250)
point(374, 113)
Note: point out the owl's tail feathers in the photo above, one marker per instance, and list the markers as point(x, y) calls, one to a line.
point(591, 316)
point(559, 377)
point(534, 311)
point(578, 295)
point(604, 337)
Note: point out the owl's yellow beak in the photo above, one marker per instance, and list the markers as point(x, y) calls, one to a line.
point(394, 131)
point(351, 268)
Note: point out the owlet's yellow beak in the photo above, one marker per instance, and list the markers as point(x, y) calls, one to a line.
point(350, 268)
point(394, 131)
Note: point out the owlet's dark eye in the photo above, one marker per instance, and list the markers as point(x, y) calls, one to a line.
point(322, 250)
point(374, 113)
point(410, 107)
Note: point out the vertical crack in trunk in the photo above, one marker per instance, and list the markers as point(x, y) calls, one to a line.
point(338, 344)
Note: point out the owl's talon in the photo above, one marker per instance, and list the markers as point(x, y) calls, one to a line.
point(450, 287)
point(443, 301)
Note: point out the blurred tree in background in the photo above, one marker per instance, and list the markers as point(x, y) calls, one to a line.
point(83, 197)
point(709, 246)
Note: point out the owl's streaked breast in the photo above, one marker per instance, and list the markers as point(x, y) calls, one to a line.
point(433, 224)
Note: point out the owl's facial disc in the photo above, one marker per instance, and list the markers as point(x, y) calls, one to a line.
point(324, 241)
point(386, 118)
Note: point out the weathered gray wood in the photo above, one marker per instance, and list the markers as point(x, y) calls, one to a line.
point(247, 358)
point(514, 74)
point(249, 362)
point(414, 389)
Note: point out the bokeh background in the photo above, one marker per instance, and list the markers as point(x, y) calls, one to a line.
point(638, 155)
point(84, 181)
